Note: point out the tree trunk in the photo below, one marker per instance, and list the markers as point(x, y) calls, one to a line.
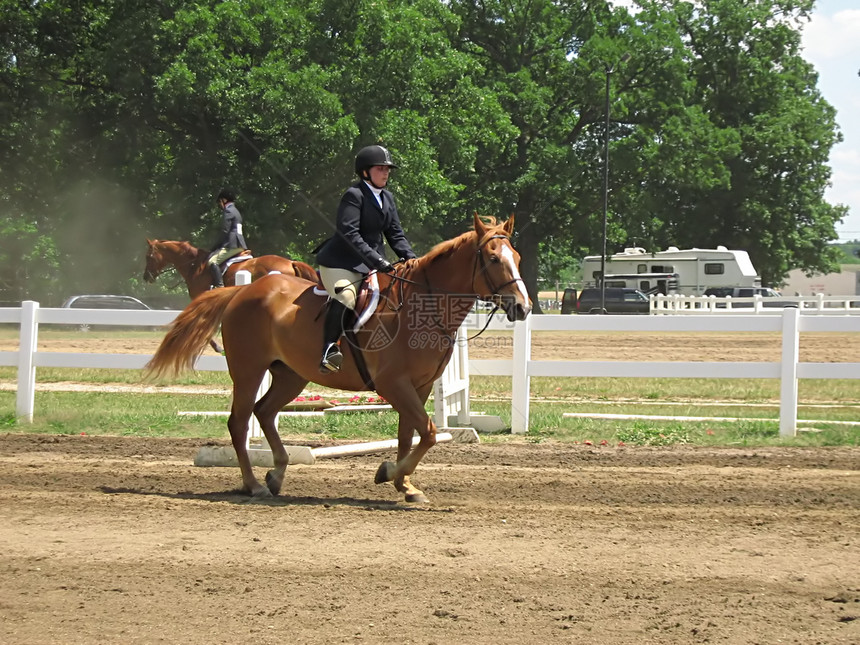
point(528, 241)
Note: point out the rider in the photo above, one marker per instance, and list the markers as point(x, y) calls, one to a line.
point(366, 212)
point(231, 242)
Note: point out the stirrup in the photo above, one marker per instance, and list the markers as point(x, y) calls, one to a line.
point(332, 359)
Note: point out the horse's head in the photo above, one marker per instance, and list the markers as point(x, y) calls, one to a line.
point(497, 277)
point(155, 262)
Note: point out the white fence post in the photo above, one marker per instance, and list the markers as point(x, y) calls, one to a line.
point(28, 342)
point(520, 380)
point(451, 390)
point(788, 372)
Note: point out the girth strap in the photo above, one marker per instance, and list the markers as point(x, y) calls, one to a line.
point(360, 363)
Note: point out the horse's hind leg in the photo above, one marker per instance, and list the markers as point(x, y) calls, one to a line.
point(244, 396)
point(286, 386)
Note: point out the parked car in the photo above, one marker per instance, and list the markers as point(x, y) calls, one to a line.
point(568, 301)
point(617, 300)
point(769, 296)
point(103, 301)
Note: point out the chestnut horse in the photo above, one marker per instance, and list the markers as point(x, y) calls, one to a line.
point(275, 324)
point(190, 262)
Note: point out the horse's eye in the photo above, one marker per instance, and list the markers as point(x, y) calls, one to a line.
point(494, 258)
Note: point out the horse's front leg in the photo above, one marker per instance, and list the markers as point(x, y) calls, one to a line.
point(408, 457)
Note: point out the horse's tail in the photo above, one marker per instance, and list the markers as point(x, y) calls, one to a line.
point(304, 270)
point(189, 334)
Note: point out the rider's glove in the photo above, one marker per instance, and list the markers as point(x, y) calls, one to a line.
point(384, 266)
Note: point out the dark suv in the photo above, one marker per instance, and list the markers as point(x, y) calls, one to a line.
point(617, 300)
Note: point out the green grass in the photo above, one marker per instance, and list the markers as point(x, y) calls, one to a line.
point(113, 376)
point(156, 415)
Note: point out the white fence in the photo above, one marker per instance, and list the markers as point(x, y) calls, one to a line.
point(452, 389)
point(787, 367)
point(820, 304)
point(521, 367)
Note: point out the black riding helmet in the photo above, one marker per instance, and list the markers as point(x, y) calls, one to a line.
point(227, 193)
point(372, 156)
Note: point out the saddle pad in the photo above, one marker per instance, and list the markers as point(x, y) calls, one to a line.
point(236, 258)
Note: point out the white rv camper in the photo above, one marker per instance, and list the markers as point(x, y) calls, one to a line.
point(694, 270)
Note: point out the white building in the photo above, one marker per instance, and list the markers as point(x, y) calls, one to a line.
point(844, 283)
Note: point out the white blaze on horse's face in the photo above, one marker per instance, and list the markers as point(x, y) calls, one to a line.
point(508, 258)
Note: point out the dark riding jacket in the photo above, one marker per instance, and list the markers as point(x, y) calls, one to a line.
point(358, 243)
point(231, 230)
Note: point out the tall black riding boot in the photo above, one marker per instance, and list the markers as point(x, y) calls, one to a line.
point(332, 330)
point(217, 278)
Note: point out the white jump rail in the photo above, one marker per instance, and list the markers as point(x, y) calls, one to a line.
point(790, 323)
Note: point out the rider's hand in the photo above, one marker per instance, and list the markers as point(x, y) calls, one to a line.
point(385, 266)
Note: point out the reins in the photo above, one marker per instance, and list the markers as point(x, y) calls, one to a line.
point(479, 259)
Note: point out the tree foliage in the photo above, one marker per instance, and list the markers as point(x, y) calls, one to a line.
point(122, 120)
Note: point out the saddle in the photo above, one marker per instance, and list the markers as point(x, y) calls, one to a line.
point(366, 301)
point(241, 257)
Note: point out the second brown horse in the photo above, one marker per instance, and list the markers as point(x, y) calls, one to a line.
point(190, 263)
point(274, 324)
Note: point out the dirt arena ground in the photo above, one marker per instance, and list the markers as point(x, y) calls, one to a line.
point(109, 540)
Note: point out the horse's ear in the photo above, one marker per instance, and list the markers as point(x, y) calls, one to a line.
point(509, 225)
point(480, 227)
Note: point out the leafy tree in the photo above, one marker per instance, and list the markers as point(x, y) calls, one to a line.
point(717, 133)
point(547, 62)
point(122, 119)
point(746, 165)
point(408, 87)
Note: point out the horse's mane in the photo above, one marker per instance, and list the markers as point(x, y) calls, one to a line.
point(448, 247)
point(189, 249)
point(185, 248)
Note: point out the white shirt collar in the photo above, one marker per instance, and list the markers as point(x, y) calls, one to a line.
point(376, 191)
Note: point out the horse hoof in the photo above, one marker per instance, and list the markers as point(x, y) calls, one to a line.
point(418, 498)
point(385, 473)
point(262, 493)
point(274, 482)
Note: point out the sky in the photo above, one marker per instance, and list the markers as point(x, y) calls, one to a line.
point(831, 42)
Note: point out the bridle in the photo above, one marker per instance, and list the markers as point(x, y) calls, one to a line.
point(495, 296)
point(166, 266)
point(479, 262)
point(154, 274)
